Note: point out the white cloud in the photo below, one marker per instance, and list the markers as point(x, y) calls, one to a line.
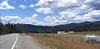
point(63, 5)
point(94, 4)
point(67, 11)
point(34, 15)
point(94, 15)
point(22, 6)
point(5, 5)
point(71, 11)
point(90, 16)
point(41, 2)
point(68, 14)
point(44, 10)
point(55, 20)
point(11, 19)
point(64, 18)
point(49, 20)
point(32, 5)
point(29, 20)
point(59, 4)
point(17, 19)
point(8, 18)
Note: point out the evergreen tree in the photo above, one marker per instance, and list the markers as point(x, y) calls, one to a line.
point(11, 28)
point(1, 25)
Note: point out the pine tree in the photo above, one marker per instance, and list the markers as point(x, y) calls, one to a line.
point(1, 25)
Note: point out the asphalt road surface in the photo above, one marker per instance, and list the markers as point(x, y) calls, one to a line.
point(16, 41)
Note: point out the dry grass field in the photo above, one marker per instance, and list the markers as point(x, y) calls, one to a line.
point(55, 41)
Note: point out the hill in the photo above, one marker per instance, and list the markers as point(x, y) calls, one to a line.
point(84, 26)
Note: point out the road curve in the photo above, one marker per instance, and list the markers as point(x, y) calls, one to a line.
point(16, 41)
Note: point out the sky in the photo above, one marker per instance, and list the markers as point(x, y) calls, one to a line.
point(49, 12)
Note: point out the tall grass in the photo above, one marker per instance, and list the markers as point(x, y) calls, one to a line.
point(55, 41)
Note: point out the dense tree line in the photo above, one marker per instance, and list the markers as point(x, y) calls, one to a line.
point(1, 26)
point(87, 27)
point(8, 28)
point(26, 28)
point(77, 27)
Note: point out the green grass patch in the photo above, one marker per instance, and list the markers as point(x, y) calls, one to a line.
point(88, 32)
point(46, 35)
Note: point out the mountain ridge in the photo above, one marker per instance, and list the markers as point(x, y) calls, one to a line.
point(84, 26)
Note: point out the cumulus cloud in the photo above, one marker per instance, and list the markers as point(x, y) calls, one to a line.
point(66, 11)
point(68, 14)
point(32, 5)
point(68, 4)
point(49, 20)
point(34, 15)
point(44, 10)
point(94, 15)
point(22, 6)
point(72, 11)
point(29, 20)
point(95, 4)
point(55, 20)
point(59, 4)
point(90, 16)
point(10, 19)
point(5, 5)
point(17, 19)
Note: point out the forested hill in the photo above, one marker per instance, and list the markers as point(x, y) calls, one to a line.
point(84, 26)
point(32, 28)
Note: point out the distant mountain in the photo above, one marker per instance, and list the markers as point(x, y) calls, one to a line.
point(84, 26)
point(88, 26)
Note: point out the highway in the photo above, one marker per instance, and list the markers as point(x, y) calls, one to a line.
point(16, 41)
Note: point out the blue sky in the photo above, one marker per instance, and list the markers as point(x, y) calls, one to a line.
point(18, 11)
point(49, 12)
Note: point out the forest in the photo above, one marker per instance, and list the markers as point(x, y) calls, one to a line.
point(28, 28)
point(8, 28)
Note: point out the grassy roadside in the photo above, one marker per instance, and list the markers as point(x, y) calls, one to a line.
point(55, 41)
point(88, 32)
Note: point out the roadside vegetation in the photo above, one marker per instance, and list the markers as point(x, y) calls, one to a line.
point(55, 41)
point(87, 32)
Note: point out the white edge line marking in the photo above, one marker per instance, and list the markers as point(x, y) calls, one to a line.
point(15, 42)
